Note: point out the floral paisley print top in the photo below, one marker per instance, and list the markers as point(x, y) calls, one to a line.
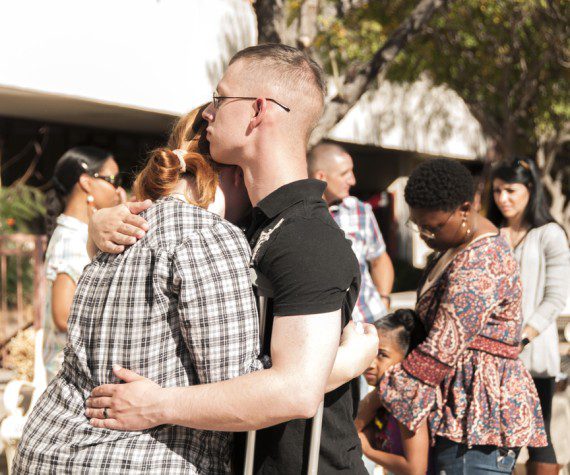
point(466, 376)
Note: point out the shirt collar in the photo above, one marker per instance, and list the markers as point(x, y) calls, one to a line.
point(345, 203)
point(72, 223)
point(290, 194)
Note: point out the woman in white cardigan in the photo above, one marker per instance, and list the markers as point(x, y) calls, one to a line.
point(540, 246)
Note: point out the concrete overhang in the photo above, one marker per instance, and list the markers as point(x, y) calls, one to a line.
point(40, 105)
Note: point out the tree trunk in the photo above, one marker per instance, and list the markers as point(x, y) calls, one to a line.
point(275, 26)
point(357, 83)
point(271, 21)
point(548, 147)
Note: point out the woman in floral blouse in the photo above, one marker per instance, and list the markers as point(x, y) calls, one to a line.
point(466, 377)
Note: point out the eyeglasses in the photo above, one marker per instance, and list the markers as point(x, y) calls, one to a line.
point(216, 100)
point(423, 231)
point(114, 180)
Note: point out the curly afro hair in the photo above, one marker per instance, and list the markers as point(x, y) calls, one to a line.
point(439, 184)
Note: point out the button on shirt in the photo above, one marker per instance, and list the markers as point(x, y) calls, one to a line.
point(359, 224)
point(310, 268)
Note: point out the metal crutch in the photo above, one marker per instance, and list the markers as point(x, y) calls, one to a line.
point(317, 427)
point(315, 447)
point(250, 441)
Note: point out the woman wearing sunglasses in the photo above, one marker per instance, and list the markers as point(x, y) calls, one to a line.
point(465, 378)
point(518, 206)
point(84, 179)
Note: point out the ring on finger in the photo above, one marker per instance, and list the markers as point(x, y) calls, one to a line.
point(105, 414)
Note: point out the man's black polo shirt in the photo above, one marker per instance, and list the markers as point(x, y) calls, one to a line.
point(311, 269)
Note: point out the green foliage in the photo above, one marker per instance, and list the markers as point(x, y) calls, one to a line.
point(356, 36)
point(507, 59)
point(21, 209)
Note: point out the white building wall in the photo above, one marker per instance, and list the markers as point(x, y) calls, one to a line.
point(418, 117)
point(166, 56)
point(163, 55)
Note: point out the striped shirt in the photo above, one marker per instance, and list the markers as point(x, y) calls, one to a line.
point(359, 224)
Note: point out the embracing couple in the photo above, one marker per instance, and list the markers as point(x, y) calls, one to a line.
point(168, 311)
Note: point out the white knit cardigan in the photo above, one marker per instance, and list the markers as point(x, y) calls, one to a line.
point(544, 261)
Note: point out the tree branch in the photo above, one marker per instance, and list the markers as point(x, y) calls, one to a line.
point(270, 20)
point(357, 83)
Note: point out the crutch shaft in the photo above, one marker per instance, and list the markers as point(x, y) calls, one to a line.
point(250, 441)
point(315, 445)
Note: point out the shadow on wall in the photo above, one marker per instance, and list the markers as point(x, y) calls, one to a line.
point(238, 31)
point(414, 116)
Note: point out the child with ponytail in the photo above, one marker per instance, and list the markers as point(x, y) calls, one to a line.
point(385, 441)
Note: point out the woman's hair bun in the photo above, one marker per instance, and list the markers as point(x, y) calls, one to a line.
point(162, 172)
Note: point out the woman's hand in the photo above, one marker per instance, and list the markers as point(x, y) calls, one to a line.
point(530, 332)
point(136, 405)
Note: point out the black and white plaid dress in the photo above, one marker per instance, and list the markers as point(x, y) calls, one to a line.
point(176, 307)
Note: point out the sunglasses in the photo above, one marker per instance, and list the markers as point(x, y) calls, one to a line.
point(216, 100)
point(114, 180)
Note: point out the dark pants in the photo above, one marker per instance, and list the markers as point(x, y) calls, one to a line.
point(545, 388)
point(452, 458)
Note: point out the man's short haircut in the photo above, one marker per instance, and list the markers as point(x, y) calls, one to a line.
point(293, 63)
point(320, 154)
point(293, 71)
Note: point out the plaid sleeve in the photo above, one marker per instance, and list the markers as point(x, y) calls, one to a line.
point(217, 310)
point(375, 245)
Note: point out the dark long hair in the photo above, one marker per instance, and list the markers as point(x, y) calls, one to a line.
point(524, 171)
point(72, 164)
point(411, 330)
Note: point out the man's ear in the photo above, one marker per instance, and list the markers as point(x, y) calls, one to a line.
point(320, 175)
point(260, 111)
point(85, 183)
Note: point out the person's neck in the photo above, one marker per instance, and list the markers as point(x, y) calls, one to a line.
point(78, 208)
point(516, 223)
point(184, 187)
point(272, 170)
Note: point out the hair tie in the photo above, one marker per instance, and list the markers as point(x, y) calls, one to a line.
point(181, 154)
point(523, 164)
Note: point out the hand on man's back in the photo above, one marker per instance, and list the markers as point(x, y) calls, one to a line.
point(114, 228)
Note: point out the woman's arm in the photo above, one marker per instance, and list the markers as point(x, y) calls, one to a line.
point(367, 410)
point(557, 256)
point(62, 292)
point(416, 450)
